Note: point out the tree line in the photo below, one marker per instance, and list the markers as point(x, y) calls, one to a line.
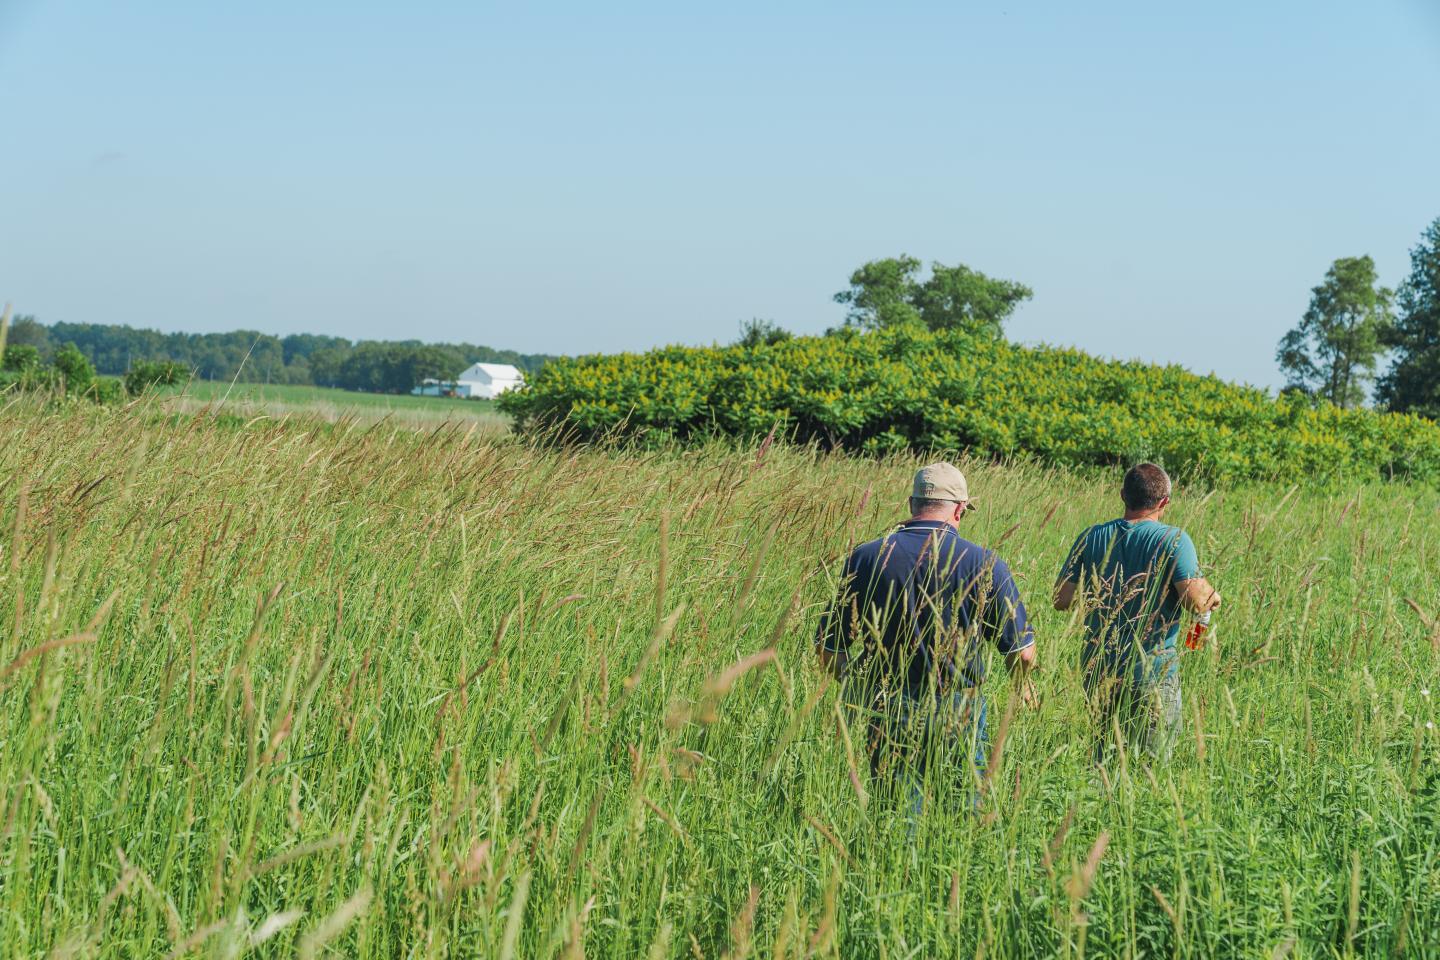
point(375, 366)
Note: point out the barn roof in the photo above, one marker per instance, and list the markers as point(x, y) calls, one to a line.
point(495, 371)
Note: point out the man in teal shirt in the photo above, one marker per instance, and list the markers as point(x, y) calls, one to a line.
point(1134, 577)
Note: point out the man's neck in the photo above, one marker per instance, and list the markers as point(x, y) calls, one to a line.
point(1136, 516)
point(922, 518)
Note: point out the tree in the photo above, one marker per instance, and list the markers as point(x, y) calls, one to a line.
point(758, 333)
point(20, 358)
point(958, 298)
point(1333, 351)
point(325, 365)
point(881, 293)
point(302, 345)
point(153, 373)
point(379, 367)
point(886, 293)
point(75, 367)
point(26, 331)
point(245, 355)
point(1412, 384)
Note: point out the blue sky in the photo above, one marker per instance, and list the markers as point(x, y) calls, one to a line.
point(578, 177)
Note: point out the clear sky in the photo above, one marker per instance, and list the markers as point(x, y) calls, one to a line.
point(1170, 179)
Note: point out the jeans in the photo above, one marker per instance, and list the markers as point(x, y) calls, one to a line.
point(1146, 714)
point(910, 736)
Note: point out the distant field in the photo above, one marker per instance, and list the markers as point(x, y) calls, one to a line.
point(332, 404)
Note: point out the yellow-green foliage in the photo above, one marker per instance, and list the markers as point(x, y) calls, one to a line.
point(901, 389)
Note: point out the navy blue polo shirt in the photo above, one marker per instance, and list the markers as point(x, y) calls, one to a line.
point(917, 606)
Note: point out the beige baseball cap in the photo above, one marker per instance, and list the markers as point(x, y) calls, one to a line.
point(941, 481)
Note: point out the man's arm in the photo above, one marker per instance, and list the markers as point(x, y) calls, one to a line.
point(1011, 630)
point(1196, 595)
point(1019, 663)
point(833, 637)
point(1069, 579)
point(1064, 597)
point(1191, 589)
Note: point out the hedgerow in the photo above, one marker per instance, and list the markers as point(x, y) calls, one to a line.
point(911, 389)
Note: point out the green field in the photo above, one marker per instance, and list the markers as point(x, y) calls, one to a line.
point(331, 404)
point(278, 687)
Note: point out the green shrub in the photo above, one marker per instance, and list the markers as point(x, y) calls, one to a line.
point(69, 374)
point(20, 358)
point(906, 388)
point(154, 373)
point(28, 378)
point(105, 390)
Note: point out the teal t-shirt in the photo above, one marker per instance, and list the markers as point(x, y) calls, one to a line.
point(1126, 568)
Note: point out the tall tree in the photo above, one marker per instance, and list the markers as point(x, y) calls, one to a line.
point(958, 298)
point(1412, 384)
point(887, 293)
point(882, 293)
point(1333, 351)
point(26, 330)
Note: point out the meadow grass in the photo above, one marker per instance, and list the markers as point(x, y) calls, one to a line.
point(327, 403)
point(278, 687)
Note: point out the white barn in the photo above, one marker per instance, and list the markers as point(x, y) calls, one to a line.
point(480, 381)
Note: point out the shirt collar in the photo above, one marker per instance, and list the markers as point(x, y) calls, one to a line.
point(925, 525)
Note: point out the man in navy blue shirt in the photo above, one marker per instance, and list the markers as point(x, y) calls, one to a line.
point(909, 631)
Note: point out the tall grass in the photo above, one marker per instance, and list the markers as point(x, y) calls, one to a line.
point(291, 687)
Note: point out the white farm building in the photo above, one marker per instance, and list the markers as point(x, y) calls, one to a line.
point(481, 381)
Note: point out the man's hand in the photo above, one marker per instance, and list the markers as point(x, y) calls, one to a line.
point(1020, 663)
point(1029, 696)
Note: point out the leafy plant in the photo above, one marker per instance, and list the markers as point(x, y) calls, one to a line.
point(908, 388)
point(153, 373)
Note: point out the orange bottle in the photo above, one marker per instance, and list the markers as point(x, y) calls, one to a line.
point(1196, 637)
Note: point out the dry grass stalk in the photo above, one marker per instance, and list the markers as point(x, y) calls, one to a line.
point(295, 853)
point(515, 917)
point(1057, 841)
point(856, 783)
point(17, 543)
point(742, 927)
point(669, 821)
point(584, 836)
point(830, 838)
point(663, 572)
point(660, 946)
point(1083, 878)
point(334, 925)
point(662, 632)
point(39, 650)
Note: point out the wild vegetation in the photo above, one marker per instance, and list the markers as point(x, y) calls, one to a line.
point(280, 687)
point(904, 387)
point(250, 400)
point(69, 374)
point(300, 359)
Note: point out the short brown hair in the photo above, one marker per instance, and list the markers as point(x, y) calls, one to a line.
point(1145, 486)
